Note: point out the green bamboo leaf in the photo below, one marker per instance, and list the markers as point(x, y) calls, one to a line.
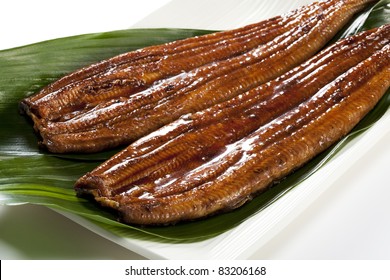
point(29, 175)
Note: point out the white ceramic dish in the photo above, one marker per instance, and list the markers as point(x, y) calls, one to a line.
point(255, 235)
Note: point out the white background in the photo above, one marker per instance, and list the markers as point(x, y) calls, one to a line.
point(349, 220)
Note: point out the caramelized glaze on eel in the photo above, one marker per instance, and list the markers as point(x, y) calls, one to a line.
point(217, 159)
point(121, 99)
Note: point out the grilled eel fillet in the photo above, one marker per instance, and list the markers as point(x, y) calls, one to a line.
point(119, 100)
point(219, 158)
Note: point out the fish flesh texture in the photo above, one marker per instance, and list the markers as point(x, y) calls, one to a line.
point(122, 99)
point(216, 159)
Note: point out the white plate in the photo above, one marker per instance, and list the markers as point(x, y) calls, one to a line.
point(303, 222)
point(250, 236)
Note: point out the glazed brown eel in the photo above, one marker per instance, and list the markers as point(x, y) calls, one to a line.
point(219, 158)
point(131, 72)
point(115, 102)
